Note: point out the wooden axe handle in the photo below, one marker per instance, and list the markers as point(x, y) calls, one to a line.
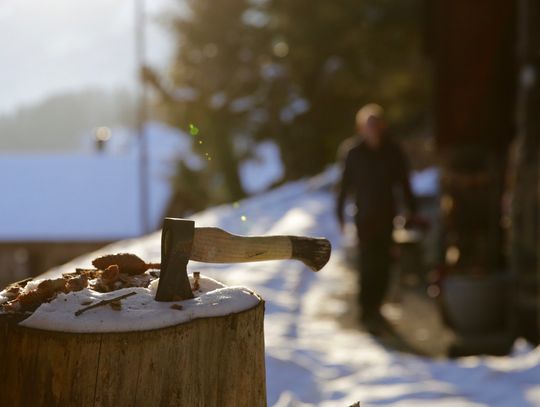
point(214, 245)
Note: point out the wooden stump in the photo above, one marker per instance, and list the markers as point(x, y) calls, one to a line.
point(216, 361)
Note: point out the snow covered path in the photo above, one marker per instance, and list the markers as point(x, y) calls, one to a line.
point(310, 358)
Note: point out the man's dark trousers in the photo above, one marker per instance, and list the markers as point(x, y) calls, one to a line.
point(374, 258)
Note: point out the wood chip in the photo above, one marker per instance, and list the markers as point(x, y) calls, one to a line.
point(116, 305)
point(196, 281)
point(127, 263)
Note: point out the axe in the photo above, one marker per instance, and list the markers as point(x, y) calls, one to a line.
point(181, 241)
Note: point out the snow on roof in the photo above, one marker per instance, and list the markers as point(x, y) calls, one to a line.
point(310, 358)
point(89, 196)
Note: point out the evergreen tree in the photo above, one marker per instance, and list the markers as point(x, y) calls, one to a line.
point(336, 56)
point(217, 66)
point(293, 71)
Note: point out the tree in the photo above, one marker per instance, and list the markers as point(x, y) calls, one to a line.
point(215, 81)
point(335, 57)
point(294, 72)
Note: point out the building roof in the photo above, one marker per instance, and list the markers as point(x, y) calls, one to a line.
point(88, 196)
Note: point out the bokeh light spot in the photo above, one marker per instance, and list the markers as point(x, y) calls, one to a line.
point(103, 133)
point(193, 130)
point(280, 49)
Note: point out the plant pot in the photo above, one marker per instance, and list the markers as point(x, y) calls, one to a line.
point(475, 304)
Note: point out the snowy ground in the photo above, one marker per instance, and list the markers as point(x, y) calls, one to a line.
point(310, 358)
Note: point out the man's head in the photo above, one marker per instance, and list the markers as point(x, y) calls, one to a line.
point(370, 123)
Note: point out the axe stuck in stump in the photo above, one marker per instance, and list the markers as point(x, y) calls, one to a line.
point(123, 350)
point(181, 241)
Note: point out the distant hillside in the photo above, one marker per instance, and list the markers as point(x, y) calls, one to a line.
point(58, 123)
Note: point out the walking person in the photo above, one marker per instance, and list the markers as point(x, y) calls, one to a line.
point(374, 167)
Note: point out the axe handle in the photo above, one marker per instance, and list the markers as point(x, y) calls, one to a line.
point(214, 245)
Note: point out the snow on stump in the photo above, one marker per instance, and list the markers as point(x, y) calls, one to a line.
point(125, 349)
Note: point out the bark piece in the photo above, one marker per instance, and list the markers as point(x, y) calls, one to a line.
point(127, 263)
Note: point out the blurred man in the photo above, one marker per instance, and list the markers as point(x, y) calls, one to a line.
point(373, 167)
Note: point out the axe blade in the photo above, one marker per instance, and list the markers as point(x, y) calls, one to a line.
point(176, 243)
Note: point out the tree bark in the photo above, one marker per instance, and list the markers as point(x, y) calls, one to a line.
point(216, 361)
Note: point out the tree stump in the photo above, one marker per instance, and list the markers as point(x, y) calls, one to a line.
point(216, 361)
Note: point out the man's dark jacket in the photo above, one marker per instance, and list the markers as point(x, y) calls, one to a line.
point(372, 176)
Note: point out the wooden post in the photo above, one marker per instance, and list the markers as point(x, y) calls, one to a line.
point(473, 50)
point(525, 236)
point(216, 361)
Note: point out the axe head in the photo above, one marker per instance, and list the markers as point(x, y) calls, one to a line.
point(176, 244)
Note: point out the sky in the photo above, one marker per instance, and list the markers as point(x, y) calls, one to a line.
point(53, 46)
